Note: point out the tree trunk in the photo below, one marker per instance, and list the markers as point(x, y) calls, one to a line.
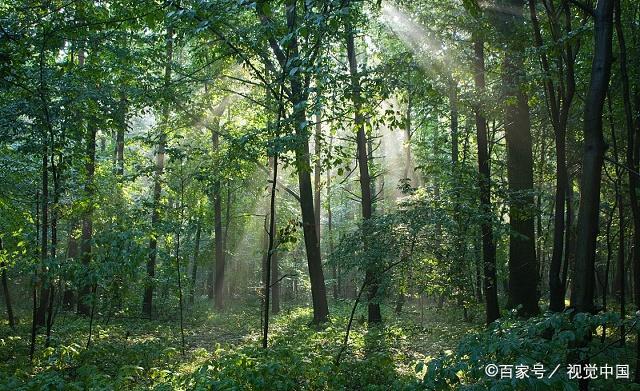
point(194, 266)
point(632, 159)
point(334, 266)
point(619, 282)
point(484, 180)
point(275, 268)
point(478, 267)
point(270, 252)
point(523, 268)
point(458, 236)
point(55, 173)
point(374, 314)
point(317, 172)
point(147, 300)
point(316, 275)
point(120, 131)
point(408, 169)
point(559, 119)
point(5, 292)
point(44, 289)
point(569, 243)
point(298, 98)
point(217, 226)
point(592, 159)
point(68, 299)
point(87, 222)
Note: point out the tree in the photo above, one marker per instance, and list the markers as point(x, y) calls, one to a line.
point(484, 181)
point(523, 265)
point(592, 158)
point(147, 300)
point(371, 277)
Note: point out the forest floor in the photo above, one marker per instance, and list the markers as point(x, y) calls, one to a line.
point(222, 351)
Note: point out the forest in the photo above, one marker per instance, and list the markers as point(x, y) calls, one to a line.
point(320, 195)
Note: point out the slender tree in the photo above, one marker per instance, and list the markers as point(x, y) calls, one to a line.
point(147, 299)
point(484, 180)
point(374, 314)
point(592, 158)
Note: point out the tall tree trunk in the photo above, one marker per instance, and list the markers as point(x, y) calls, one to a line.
point(592, 158)
point(147, 299)
point(523, 264)
point(217, 227)
point(178, 267)
point(317, 172)
point(523, 268)
point(559, 109)
point(68, 299)
point(316, 276)
point(194, 266)
point(270, 251)
point(314, 260)
point(44, 239)
point(570, 239)
point(632, 159)
point(408, 169)
point(458, 240)
point(374, 314)
point(120, 131)
point(275, 268)
point(55, 173)
point(478, 267)
point(619, 283)
point(334, 267)
point(298, 98)
point(484, 178)
point(34, 289)
point(87, 221)
point(5, 291)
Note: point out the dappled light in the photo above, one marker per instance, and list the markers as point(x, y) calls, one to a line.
point(320, 195)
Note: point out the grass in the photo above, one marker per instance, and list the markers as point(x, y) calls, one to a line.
point(223, 351)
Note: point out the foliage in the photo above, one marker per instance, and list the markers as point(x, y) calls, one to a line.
point(553, 340)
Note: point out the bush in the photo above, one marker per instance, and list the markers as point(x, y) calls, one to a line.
point(551, 340)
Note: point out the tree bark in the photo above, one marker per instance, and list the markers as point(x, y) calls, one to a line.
point(523, 265)
point(334, 267)
point(87, 221)
point(484, 181)
point(270, 251)
point(632, 159)
point(5, 291)
point(374, 314)
point(316, 275)
point(68, 299)
point(147, 300)
point(559, 118)
point(120, 131)
point(620, 276)
point(408, 169)
point(55, 174)
point(317, 172)
point(275, 268)
point(194, 266)
point(592, 158)
point(298, 98)
point(217, 227)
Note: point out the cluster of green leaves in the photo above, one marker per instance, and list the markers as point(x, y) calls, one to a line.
point(552, 340)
